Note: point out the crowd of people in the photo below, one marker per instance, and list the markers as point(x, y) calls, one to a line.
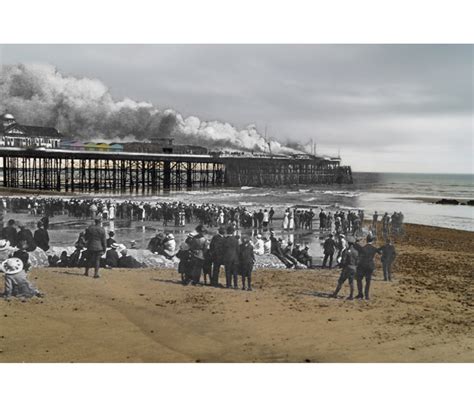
point(202, 255)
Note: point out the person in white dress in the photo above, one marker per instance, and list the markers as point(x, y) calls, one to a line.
point(286, 220)
point(291, 223)
point(259, 248)
point(112, 212)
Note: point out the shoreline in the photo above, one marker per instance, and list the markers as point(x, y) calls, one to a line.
point(425, 315)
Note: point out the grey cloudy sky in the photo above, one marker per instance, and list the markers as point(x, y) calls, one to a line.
point(400, 108)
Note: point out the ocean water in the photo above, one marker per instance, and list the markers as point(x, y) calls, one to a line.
point(413, 194)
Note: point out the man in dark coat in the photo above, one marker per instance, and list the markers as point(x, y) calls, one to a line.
point(41, 237)
point(96, 245)
point(388, 256)
point(198, 246)
point(349, 259)
point(216, 254)
point(329, 249)
point(231, 258)
point(246, 261)
point(365, 267)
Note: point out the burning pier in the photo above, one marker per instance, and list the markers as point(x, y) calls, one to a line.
point(87, 171)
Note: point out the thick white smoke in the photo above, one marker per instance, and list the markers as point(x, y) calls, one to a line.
point(38, 94)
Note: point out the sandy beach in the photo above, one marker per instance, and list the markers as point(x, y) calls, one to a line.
point(425, 315)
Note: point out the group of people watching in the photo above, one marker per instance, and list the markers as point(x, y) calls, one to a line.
point(358, 262)
point(294, 219)
point(200, 256)
point(94, 250)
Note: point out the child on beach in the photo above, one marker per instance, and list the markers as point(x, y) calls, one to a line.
point(16, 281)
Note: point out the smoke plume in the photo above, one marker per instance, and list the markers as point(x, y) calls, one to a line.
point(83, 108)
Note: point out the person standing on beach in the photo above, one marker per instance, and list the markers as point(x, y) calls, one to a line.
point(231, 258)
point(216, 254)
point(349, 259)
point(329, 249)
point(246, 262)
point(365, 267)
point(388, 257)
point(271, 213)
point(96, 244)
point(375, 219)
point(198, 246)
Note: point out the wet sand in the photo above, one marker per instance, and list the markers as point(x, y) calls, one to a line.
point(425, 315)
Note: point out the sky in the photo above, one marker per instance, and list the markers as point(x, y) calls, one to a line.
point(386, 108)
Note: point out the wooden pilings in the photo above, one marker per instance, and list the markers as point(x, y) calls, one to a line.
point(74, 171)
point(111, 174)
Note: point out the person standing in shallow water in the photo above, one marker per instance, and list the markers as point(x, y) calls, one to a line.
point(96, 244)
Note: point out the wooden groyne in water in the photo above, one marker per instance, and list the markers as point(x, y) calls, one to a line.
point(87, 171)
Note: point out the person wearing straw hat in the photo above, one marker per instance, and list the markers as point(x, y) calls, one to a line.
point(16, 281)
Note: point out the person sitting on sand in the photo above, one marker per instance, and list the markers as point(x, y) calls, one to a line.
point(112, 257)
point(267, 245)
point(127, 261)
point(26, 235)
point(63, 260)
point(41, 237)
point(276, 250)
point(302, 255)
point(169, 246)
point(287, 251)
point(111, 239)
point(259, 248)
point(16, 280)
point(22, 254)
point(156, 243)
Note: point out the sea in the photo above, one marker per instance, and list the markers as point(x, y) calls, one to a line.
point(414, 194)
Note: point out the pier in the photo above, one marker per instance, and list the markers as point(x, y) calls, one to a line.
point(89, 171)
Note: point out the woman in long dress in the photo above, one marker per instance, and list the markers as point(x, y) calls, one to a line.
point(285, 220)
point(291, 224)
point(112, 212)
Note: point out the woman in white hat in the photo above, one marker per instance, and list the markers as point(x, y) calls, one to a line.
point(16, 281)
